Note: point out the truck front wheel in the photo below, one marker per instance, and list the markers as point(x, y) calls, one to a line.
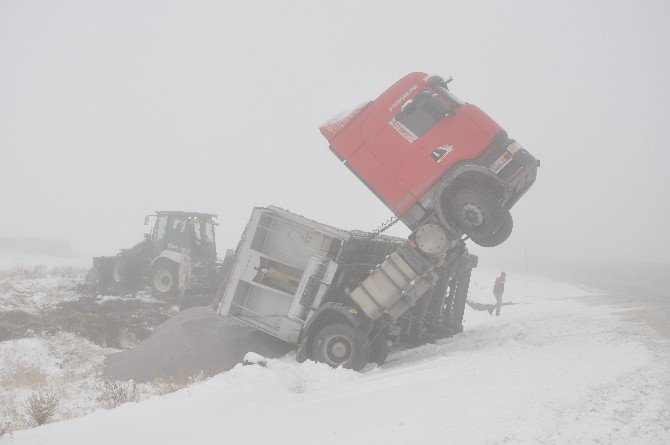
point(476, 212)
point(500, 235)
point(340, 344)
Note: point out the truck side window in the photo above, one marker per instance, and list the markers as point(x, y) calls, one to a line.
point(423, 113)
point(161, 225)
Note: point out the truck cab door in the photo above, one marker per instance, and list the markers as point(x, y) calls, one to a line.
point(444, 136)
point(393, 146)
point(402, 144)
point(453, 139)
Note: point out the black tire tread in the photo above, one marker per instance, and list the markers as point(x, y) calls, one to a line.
point(491, 206)
point(500, 235)
point(359, 340)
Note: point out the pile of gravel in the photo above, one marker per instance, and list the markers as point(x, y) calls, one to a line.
point(196, 340)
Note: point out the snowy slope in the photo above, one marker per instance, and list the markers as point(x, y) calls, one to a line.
point(549, 369)
point(14, 259)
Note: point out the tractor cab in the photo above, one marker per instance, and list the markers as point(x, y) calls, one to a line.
point(184, 230)
point(179, 254)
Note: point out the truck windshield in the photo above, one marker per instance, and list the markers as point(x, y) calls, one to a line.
point(423, 112)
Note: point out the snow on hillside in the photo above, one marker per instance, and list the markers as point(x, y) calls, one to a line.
point(10, 260)
point(54, 338)
point(35, 283)
point(66, 364)
point(549, 369)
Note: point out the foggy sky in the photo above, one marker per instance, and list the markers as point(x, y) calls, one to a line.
point(111, 110)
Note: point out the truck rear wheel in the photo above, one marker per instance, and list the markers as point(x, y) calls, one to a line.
point(164, 278)
point(476, 212)
point(343, 345)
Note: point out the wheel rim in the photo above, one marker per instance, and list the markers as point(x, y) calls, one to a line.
point(119, 270)
point(337, 349)
point(472, 215)
point(162, 280)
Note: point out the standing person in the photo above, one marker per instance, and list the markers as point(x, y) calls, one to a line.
point(498, 289)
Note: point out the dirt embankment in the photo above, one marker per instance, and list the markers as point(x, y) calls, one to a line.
point(196, 340)
point(37, 300)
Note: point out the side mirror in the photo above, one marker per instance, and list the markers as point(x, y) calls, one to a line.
point(448, 80)
point(146, 220)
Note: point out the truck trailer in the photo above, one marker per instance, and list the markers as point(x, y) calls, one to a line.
point(303, 282)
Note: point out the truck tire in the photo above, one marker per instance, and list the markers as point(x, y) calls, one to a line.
point(164, 278)
point(379, 349)
point(340, 344)
point(476, 212)
point(500, 235)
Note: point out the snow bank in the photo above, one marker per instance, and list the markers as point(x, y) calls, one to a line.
point(65, 364)
point(549, 369)
point(34, 287)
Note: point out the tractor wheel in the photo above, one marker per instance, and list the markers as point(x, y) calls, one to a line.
point(165, 278)
point(500, 235)
point(379, 349)
point(476, 212)
point(343, 345)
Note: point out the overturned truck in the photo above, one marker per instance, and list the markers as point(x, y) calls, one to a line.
point(446, 170)
point(342, 297)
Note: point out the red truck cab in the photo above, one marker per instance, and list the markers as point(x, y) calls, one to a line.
point(425, 153)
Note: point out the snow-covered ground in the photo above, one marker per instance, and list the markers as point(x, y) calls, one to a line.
point(65, 364)
point(44, 345)
point(550, 369)
point(10, 260)
point(35, 283)
point(34, 289)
